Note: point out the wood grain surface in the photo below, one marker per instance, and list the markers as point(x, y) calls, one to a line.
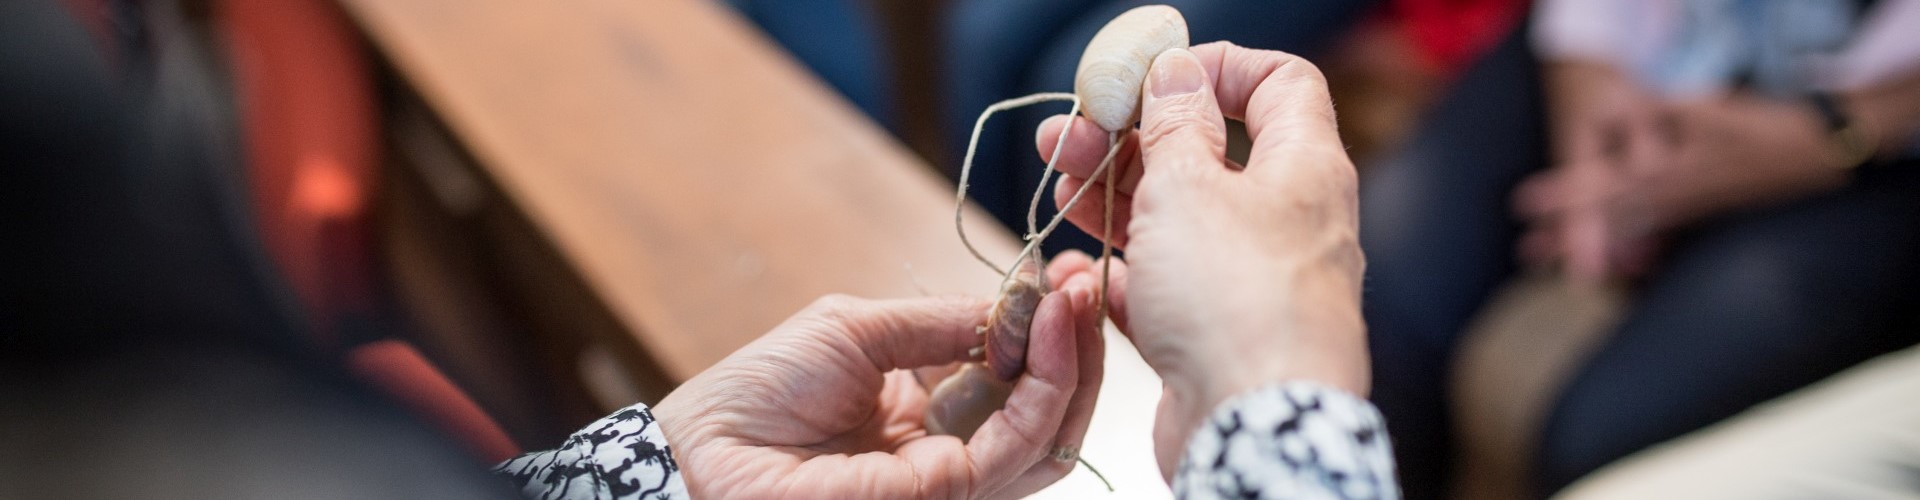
point(702, 184)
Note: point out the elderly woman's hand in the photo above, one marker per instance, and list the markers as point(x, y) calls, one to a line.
point(1241, 277)
point(823, 407)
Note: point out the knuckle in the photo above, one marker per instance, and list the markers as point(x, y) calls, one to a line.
point(1297, 67)
point(1287, 65)
point(1355, 258)
point(1328, 169)
point(1341, 176)
point(1284, 65)
point(1303, 80)
point(832, 304)
point(1181, 124)
point(1221, 44)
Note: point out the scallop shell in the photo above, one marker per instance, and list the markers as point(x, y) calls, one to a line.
point(1115, 63)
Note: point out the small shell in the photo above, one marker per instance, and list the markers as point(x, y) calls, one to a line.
point(1115, 64)
point(1010, 322)
point(962, 403)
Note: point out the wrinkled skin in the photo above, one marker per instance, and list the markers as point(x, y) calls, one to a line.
point(823, 407)
point(1241, 276)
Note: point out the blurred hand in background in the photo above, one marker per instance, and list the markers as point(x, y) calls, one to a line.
point(1630, 167)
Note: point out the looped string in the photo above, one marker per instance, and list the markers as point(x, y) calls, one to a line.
point(1035, 235)
point(966, 164)
point(1033, 241)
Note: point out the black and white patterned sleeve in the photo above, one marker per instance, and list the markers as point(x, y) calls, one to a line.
point(1297, 440)
point(623, 456)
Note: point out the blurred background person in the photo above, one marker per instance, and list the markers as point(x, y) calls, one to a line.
point(977, 52)
point(1745, 166)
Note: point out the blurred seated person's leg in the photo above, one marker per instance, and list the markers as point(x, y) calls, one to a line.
point(1853, 435)
point(1746, 308)
point(999, 49)
point(1439, 237)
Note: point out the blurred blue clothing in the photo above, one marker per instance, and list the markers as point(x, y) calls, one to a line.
point(1761, 41)
point(1000, 49)
point(839, 40)
point(1435, 227)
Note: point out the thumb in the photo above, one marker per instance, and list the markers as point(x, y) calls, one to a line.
point(1021, 433)
point(897, 333)
point(1182, 131)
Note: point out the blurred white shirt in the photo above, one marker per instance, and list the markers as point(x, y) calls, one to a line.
point(1697, 48)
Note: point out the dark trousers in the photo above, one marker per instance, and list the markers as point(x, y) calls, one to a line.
point(1744, 308)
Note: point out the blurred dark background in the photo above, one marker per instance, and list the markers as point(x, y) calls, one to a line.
point(925, 70)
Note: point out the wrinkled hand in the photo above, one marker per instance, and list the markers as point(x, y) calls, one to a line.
point(822, 407)
point(1602, 215)
point(1241, 277)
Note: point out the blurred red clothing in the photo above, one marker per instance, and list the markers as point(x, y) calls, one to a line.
point(1450, 34)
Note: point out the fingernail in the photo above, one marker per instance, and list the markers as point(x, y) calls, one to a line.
point(1176, 72)
point(1081, 281)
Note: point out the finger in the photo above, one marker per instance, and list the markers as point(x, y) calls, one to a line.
point(903, 333)
point(1541, 195)
point(1633, 259)
point(1182, 132)
point(1021, 434)
point(1091, 348)
point(1089, 214)
point(1586, 248)
point(1540, 247)
point(1086, 147)
point(1564, 189)
point(1282, 97)
point(930, 377)
point(1648, 138)
point(1065, 265)
point(1578, 140)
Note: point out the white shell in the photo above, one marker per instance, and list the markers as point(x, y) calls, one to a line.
point(1115, 64)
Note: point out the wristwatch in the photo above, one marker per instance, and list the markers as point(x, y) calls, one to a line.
point(1852, 147)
